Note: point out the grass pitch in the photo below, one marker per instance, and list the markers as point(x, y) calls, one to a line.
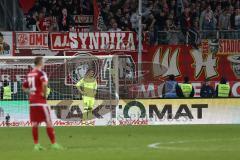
point(187, 142)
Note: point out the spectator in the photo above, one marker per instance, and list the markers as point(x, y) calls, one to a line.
point(187, 88)
point(114, 27)
point(193, 33)
point(217, 12)
point(65, 21)
point(60, 4)
point(150, 21)
point(75, 10)
point(116, 4)
point(125, 12)
point(32, 21)
point(195, 13)
point(53, 24)
point(224, 23)
point(165, 6)
point(156, 7)
point(171, 88)
point(186, 20)
point(148, 10)
point(85, 7)
point(125, 21)
point(118, 16)
point(44, 3)
point(55, 8)
point(189, 27)
point(71, 8)
point(233, 13)
point(173, 5)
point(170, 26)
point(224, 20)
point(198, 9)
point(149, 38)
point(171, 37)
point(223, 88)
point(207, 91)
point(44, 11)
point(160, 21)
point(4, 47)
point(237, 20)
point(105, 12)
point(207, 19)
point(43, 22)
point(134, 20)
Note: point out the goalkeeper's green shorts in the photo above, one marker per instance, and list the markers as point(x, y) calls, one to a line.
point(88, 102)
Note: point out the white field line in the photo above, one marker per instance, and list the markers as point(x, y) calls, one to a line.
point(168, 145)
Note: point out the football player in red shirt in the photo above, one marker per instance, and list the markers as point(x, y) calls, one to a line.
point(36, 86)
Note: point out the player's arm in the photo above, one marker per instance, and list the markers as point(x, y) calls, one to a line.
point(25, 87)
point(44, 80)
point(1, 92)
point(45, 84)
point(26, 90)
point(95, 87)
point(37, 25)
point(79, 86)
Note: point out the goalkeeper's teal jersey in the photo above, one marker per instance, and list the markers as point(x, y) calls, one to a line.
point(88, 88)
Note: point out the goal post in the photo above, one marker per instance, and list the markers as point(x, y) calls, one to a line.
point(64, 72)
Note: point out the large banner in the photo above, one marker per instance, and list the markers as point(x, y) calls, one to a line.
point(207, 62)
point(95, 41)
point(31, 40)
point(129, 112)
point(212, 60)
point(223, 46)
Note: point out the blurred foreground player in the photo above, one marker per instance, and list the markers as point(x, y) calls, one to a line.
point(88, 87)
point(36, 86)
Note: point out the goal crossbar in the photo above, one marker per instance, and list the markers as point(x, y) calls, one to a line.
point(56, 57)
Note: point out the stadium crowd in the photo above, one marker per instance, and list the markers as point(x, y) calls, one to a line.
point(187, 16)
point(157, 14)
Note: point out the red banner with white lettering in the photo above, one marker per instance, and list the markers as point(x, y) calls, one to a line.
point(212, 60)
point(31, 40)
point(94, 41)
point(181, 60)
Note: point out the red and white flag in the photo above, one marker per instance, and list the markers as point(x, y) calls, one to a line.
point(98, 19)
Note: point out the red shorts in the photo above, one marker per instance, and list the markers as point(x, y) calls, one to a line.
point(40, 114)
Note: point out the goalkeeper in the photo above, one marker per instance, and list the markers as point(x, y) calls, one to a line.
point(88, 87)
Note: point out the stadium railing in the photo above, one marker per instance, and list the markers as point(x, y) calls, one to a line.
point(178, 37)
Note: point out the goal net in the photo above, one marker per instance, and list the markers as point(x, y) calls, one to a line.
point(65, 100)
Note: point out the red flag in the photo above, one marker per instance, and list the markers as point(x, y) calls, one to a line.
point(26, 5)
point(96, 13)
point(98, 20)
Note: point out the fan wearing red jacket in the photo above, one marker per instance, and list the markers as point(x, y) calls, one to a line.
point(36, 86)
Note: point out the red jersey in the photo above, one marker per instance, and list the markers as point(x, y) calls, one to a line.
point(34, 83)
